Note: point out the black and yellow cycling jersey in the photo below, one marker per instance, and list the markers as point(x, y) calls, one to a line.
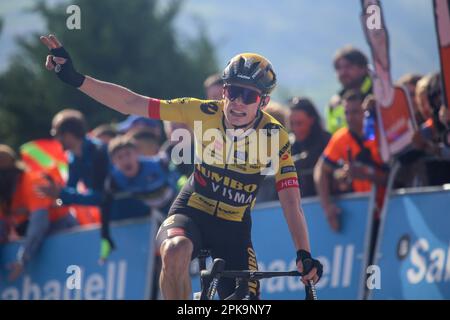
point(229, 168)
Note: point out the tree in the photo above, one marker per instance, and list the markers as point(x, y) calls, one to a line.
point(130, 43)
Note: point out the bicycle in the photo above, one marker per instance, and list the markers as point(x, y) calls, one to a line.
point(209, 279)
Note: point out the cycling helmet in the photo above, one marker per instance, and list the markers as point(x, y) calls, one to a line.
point(250, 69)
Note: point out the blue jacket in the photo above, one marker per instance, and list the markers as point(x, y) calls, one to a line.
point(91, 169)
point(152, 176)
point(154, 183)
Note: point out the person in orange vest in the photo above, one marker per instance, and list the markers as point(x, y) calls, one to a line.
point(88, 161)
point(25, 211)
point(350, 157)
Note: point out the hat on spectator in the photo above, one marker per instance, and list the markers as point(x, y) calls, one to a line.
point(134, 120)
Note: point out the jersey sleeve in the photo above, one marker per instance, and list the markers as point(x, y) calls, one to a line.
point(183, 110)
point(286, 176)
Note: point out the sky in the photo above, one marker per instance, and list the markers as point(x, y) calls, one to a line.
point(299, 37)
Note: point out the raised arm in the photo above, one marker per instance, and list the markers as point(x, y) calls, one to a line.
point(111, 95)
point(116, 97)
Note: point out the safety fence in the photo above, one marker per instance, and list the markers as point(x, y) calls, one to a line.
point(412, 258)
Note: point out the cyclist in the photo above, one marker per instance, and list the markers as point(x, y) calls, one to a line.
point(213, 209)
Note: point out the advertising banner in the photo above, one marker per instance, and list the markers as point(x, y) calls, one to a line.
point(68, 260)
point(413, 251)
point(342, 254)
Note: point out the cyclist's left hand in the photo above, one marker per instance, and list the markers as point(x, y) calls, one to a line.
point(311, 269)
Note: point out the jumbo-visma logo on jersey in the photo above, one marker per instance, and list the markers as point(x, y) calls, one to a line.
point(226, 187)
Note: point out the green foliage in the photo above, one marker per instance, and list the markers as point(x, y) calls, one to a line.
point(131, 43)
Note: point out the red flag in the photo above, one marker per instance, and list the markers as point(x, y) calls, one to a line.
point(442, 20)
point(395, 114)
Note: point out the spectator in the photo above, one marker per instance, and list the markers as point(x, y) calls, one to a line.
point(88, 161)
point(421, 98)
point(147, 143)
point(350, 158)
point(104, 133)
point(431, 139)
point(352, 70)
point(214, 87)
point(413, 172)
point(135, 185)
point(26, 212)
point(134, 123)
point(410, 81)
point(140, 175)
point(309, 141)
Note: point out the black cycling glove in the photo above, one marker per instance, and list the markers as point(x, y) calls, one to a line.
point(66, 72)
point(309, 263)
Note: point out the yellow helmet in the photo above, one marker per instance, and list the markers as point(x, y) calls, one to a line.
point(252, 70)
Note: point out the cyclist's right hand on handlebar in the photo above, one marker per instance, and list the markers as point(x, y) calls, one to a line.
point(59, 60)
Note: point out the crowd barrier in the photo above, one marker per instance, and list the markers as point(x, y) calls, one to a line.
point(413, 254)
point(342, 254)
point(413, 251)
point(125, 275)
